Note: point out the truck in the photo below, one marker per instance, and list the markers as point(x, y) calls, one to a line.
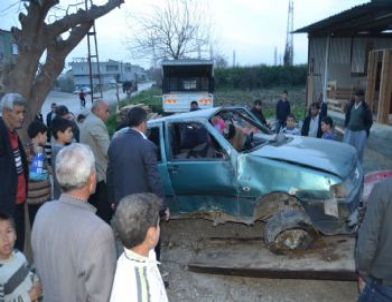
point(185, 81)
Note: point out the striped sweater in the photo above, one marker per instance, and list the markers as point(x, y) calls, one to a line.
point(138, 279)
point(16, 279)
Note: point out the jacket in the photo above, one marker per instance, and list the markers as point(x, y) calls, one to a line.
point(306, 125)
point(282, 111)
point(94, 133)
point(8, 176)
point(74, 252)
point(368, 117)
point(132, 167)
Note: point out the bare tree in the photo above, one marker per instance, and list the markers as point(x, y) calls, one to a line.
point(178, 29)
point(37, 38)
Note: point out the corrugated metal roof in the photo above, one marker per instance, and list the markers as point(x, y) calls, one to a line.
point(367, 19)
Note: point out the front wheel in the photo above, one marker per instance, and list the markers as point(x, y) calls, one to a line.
point(289, 230)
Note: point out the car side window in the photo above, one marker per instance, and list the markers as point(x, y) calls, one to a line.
point(192, 141)
point(154, 136)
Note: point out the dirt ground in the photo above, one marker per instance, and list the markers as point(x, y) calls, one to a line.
point(182, 239)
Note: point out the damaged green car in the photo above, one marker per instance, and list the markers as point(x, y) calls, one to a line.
point(221, 164)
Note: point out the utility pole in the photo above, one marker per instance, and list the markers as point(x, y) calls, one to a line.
point(289, 48)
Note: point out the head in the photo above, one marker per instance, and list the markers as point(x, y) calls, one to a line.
point(137, 118)
point(7, 235)
point(75, 168)
point(136, 220)
point(62, 130)
point(63, 112)
point(53, 107)
point(314, 109)
point(326, 124)
point(359, 95)
point(13, 109)
point(285, 95)
point(194, 106)
point(290, 121)
point(80, 118)
point(257, 104)
point(101, 109)
point(37, 132)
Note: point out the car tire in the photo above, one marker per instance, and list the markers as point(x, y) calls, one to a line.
point(289, 229)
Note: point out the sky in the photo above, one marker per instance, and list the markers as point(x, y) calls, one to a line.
point(250, 28)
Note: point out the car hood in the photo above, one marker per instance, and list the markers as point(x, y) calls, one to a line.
point(333, 157)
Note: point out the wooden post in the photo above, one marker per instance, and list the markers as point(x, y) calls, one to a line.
point(371, 78)
point(385, 88)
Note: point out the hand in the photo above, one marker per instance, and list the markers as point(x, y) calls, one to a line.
point(361, 283)
point(113, 205)
point(36, 291)
point(167, 214)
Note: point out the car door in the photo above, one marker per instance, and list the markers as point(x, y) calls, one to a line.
point(201, 172)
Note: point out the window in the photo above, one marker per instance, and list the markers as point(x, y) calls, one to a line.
point(192, 141)
point(154, 136)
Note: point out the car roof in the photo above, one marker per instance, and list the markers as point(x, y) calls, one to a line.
point(202, 113)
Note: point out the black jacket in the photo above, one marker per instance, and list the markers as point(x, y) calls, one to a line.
point(368, 116)
point(306, 125)
point(259, 114)
point(132, 167)
point(282, 110)
point(8, 176)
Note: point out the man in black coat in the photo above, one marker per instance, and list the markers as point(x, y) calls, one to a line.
point(312, 123)
point(14, 168)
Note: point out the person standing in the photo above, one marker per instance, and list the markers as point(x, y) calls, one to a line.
point(14, 170)
point(93, 132)
point(282, 111)
point(82, 98)
point(258, 112)
point(358, 121)
point(73, 248)
point(312, 123)
point(373, 256)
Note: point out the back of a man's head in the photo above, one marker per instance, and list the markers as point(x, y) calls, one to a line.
point(134, 215)
point(136, 116)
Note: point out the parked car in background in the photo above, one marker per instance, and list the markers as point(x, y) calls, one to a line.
point(221, 164)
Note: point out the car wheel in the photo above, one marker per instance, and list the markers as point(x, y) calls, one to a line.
point(289, 230)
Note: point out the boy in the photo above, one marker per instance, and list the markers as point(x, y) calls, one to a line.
point(62, 133)
point(136, 223)
point(290, 126)
point(39, 185)
point(17, 282)
point(327, 128)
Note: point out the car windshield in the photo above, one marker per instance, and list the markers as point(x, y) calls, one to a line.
point(241, 130)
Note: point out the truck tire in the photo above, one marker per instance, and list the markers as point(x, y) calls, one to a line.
point(289, 229)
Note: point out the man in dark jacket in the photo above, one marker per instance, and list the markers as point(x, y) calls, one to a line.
point(312, 123)
point(13, 163)
point(282, 111)
point(374, 244)
point(358, 122)
point(258, 112)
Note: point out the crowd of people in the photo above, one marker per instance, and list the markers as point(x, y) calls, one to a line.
point(98, 238)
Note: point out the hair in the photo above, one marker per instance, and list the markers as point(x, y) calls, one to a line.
point(194, 103)
point(36, 127)
point(61, 110)
point(359, 92)
point(10, 100)
point(315, 105)
point(4, 216)
point(74, 165)
point(291, 116)
point(257, 102)
point(136, 116)
point(285, 91)
point(80, 117)
point(53, 105)
point(96, 104)
point(328, 121)
point(134, 215)
point(60, 124)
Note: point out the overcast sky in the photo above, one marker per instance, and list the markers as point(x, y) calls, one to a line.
point(251, 28)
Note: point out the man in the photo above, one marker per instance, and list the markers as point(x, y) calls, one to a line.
point(74, 249)
point(132, 164)
point(373, 256)
point(312, 123)
point(93, 132)
point(258, 112)
point(50, 116)
point(13, 163)
point(194, 106)
point(63, 112)
point(82, 98)
point(282, 111)
point(358, 121)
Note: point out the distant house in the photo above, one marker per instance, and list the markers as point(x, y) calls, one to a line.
point(111, 72)
point(338, 57)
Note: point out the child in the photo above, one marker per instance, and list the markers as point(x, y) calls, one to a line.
point(62, 133)
point(137, 277)
point(327, 128)
point(290, 126)
point(17, 282)
point(39, 185)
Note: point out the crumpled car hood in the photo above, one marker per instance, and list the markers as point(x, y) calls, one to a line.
point(333, 157)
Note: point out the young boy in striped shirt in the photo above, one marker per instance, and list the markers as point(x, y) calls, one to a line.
point(136, 223)
point(17, 282)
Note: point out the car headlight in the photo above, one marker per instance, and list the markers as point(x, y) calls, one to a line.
point(342, 190)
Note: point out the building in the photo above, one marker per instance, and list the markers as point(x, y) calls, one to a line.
point(111, 72)
point(352, 50)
